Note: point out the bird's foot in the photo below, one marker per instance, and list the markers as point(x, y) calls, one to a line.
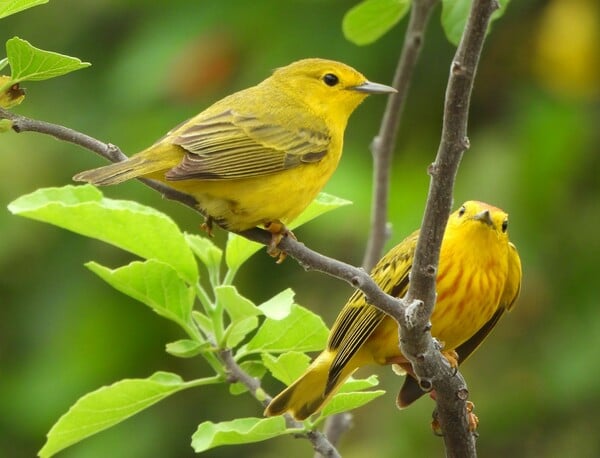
point(472, 419)
point(278, 231)
point(452, 358)
point(207, 225)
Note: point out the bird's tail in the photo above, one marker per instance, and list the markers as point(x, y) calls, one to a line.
point(310, 392)
point(119, 172)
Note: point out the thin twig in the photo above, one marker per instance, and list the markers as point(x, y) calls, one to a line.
point(383, 144)
point(416, 342)
point(106, 150)
point(319, 441)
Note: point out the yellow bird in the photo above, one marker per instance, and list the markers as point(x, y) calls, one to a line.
point(479, 278)
point(261, 155)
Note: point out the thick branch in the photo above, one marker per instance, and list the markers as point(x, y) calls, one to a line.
point(383, 144)
point(416, 341)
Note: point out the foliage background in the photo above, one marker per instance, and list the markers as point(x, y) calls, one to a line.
point(534, 152)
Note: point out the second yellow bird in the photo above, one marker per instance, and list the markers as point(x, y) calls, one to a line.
point(479, 279)
point(261, 155)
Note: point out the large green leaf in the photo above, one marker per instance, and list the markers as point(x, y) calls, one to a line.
point(8, 7)
point(301, 330)
point(110, 405)
point(155, 284)
point(370, 19)
point(239, 249)
point(240, 431)
point(125, 224)
point(28, 63)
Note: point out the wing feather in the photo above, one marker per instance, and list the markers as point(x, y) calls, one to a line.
point(358, 319)
point(231, 145)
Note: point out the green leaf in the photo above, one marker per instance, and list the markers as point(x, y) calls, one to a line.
point(324, 203)
point(279, 306)
point(455, 14)
point(237, 306)
point(288, 367)
point(8, 7)
point(203, 322)
point(186, 348)
point(4, 62)
point(301, 330)
point(369, 20)
point(206, 251)
point(251, 367)
point(237, 332)
point(343, 402)
point(240, 431)
point(239, 249)
point(353, 384)
point(128, 225)
point(28, 63)
point(108, 406)
point(242, 313)
point(155, 284)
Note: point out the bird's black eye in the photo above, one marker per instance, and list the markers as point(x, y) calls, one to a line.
point(504, 225)
point(330, 79)
point(462, 211)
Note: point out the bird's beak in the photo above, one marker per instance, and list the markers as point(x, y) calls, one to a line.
point(485, 217)
point(373, 88)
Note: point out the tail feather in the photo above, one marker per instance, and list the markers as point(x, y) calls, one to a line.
point(310, 392)
point(119, 172)
point(409, 393)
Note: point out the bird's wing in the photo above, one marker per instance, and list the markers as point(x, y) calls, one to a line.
point(513, 282)
point(232, 145)
point(358, 319)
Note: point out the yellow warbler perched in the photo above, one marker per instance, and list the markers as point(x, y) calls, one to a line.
point(478, 279)
point(258, 156)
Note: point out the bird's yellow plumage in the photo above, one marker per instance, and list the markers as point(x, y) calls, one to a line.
point(479, 278)
point(258, 156)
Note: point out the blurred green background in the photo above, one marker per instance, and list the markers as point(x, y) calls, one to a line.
point(534, 130)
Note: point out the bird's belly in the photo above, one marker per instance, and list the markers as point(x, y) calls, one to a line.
point(464, 307)
point(242, 204)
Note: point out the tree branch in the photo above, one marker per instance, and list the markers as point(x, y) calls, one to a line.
point(382, 146)
point(106, 150)
point(306, 257)
point(416, 342)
